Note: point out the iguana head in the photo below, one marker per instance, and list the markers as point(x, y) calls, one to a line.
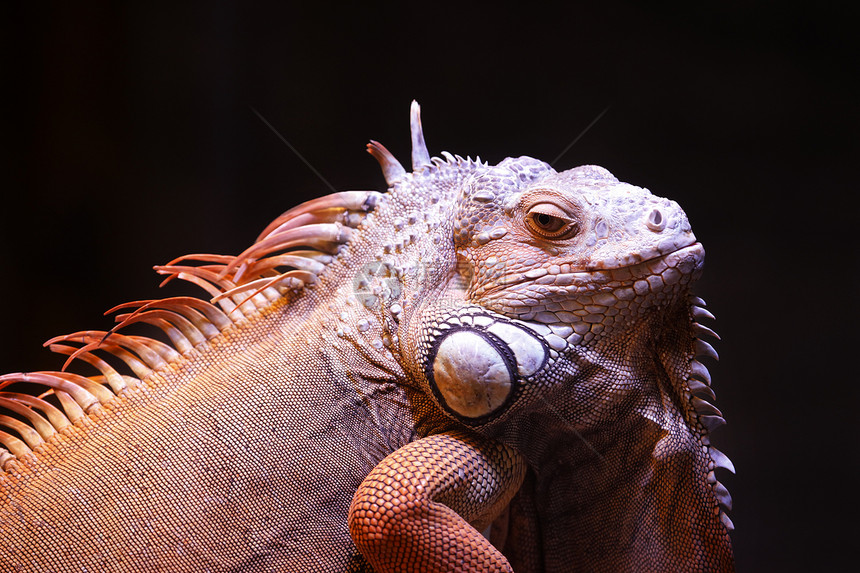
point(543, 246)
point(567, 274)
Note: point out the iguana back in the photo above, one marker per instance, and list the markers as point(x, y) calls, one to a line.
point(365, 331)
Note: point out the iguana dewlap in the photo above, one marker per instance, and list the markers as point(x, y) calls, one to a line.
point(488, 368)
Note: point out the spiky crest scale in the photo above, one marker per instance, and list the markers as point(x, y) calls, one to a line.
point(420, 155)
point(392, 170)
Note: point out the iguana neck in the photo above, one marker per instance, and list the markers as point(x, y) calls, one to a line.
point(627, 458)
point(661, 507)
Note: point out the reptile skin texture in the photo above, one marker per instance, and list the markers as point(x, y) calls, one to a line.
point(486, 368)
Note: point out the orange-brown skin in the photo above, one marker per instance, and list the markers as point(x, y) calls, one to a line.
point(422, 508)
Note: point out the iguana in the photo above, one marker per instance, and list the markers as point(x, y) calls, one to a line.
point(487, 368)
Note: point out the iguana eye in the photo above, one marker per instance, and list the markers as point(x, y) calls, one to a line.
point(550, 222)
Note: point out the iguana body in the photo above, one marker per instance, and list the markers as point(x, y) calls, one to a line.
point(503, 349)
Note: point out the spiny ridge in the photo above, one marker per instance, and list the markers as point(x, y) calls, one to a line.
point(709, 416)
point(293, 251)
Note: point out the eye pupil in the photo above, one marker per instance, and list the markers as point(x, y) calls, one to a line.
point(550, 221)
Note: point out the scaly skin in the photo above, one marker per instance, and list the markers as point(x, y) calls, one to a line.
point(503, 350)
point(437, 492)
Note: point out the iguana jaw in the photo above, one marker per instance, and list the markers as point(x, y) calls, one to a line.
point(573, 297)
point(665, 248)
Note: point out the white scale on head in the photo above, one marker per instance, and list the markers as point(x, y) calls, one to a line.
point(472, 375)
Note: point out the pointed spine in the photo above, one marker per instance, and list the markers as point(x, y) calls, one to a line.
point(15, 445)
point(80, 395)
point(54, 415)
point(699, 370)
point(704, 408)
point(420, 155)
point(113, 378)
point(392, 170)
point(723, 496)
point(705, 349)
point(711, 423)
point(700, 312)
point(721, 460)
point(31, 437)
point(698, 387)
point(701, 330)
point(39, 424)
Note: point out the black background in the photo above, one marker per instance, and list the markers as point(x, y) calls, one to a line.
point(130, 139)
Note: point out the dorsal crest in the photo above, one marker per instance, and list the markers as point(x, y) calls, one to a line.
point(290, 254)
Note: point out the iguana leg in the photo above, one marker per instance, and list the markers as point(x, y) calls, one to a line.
point(421, 508)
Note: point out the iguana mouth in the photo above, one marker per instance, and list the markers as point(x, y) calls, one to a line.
point(653, 274)
point(593, 296)
point(645, 256)
point(685, 259)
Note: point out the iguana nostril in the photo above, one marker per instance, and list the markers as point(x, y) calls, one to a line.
point(656, 222)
